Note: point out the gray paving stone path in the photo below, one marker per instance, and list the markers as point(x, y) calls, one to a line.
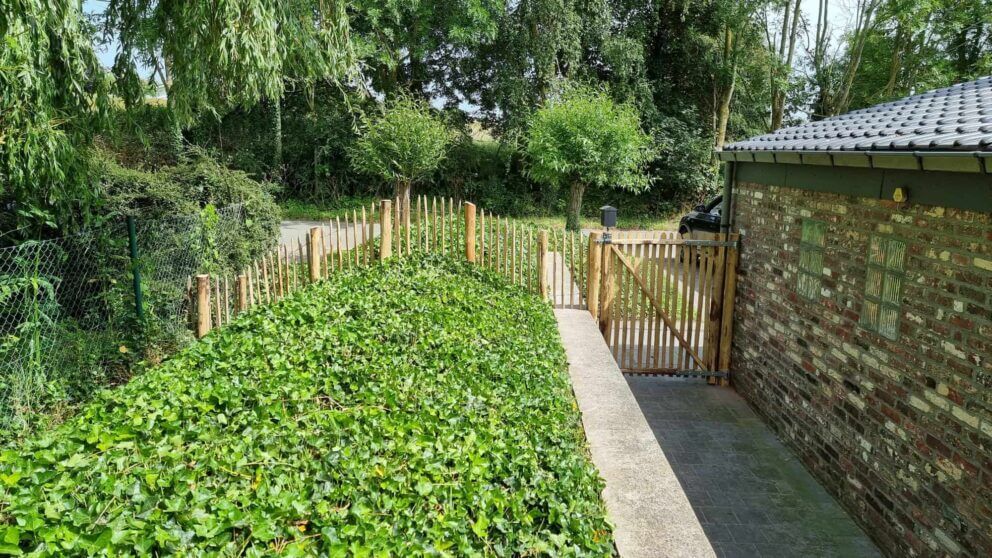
point(749, 492)
point(650, 513)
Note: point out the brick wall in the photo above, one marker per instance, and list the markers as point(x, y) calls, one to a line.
point(900, 431)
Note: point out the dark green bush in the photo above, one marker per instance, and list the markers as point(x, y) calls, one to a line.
point(317, 130)
point(188, 187)
point(140, 137)
point(488, 173)
point(421, 407)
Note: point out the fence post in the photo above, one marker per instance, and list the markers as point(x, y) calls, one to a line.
point(385, 229)
point(202, 305)
point(727, 322)
point(606, 287)
point(470, 232)
point(312, 241)
point(241, 286)
point(714, 314)
point(542, 266)
point(132, 240)
point(594, 273)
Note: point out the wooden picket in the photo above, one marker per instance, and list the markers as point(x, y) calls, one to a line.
point(399, 227)
point(665, 304)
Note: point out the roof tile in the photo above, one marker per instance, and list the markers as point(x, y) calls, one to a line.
point(956, 118)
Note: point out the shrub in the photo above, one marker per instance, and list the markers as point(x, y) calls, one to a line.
point(582, 138)
point(420, 407)
point(190, 186)
point(403, 145)
point(487, 172)
point(140, 137)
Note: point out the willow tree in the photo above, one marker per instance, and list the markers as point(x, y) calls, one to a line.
point(581, 138)
point(403, 145)
point(53, 96)
point(210, 56)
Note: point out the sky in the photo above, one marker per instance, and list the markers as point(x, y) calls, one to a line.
point(838, 13)
point(106, 56)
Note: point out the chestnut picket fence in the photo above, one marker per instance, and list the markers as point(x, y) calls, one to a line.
point(552, 262)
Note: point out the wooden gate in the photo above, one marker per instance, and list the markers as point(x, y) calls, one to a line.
point(665, 304)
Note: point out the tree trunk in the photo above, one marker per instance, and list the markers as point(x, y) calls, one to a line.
point(574, 214)
point(823, 102)
point(176, 137)
point(401, 190)
point(726, 92)
point(896, 66)
point(277, 136)
point(723, 115)
point(862, 29)
point(787, 50)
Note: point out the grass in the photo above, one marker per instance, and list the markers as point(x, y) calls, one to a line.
point(312, 211)
point(298, 210)
point(416, 408)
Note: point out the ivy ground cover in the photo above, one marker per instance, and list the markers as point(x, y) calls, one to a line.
point(416, 408)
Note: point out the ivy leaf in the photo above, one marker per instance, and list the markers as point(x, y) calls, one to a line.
point(481, 526)
point(372, 414)
point(76, 460)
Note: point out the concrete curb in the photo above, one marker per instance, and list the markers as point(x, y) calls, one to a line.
point(644, 500)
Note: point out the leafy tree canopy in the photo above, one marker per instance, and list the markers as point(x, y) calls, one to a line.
point(581, 137)
point(211, 55)
point(418, 47)
point(404, 144)
point(53, 95)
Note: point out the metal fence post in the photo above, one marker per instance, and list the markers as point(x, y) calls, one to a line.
point(132, 239)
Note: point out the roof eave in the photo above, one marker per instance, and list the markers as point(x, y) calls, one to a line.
point(946, 161)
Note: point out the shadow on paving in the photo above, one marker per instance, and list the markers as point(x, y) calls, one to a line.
point(751, 495)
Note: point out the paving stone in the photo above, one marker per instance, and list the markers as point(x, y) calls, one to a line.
point(752, 497)
point(644, 499)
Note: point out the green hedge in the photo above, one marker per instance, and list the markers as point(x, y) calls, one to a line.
point(417, 408)
point(186, 188)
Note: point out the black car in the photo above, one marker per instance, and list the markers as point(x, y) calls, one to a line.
point(702, 218)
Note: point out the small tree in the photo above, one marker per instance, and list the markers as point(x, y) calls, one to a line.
point(403, 145)
point(581, 138)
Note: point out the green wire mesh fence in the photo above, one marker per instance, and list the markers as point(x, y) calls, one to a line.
point(68, 323)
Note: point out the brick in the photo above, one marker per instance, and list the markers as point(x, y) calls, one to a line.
point(964, 416)
point(898, 430)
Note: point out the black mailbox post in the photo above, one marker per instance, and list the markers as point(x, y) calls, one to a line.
point(608, 216)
